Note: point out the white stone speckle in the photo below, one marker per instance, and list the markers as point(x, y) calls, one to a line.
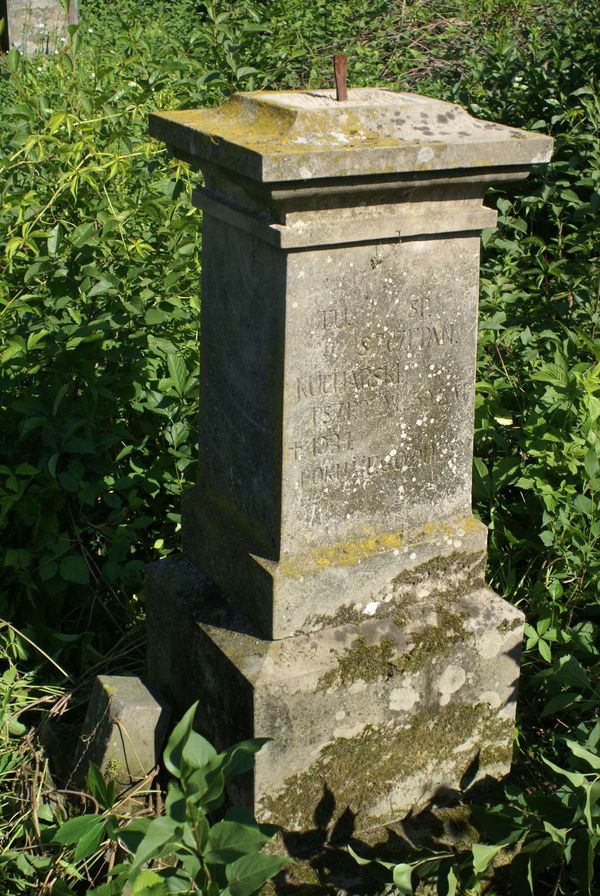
point(425, 154)
point(371, 608)
point(450, 681)
point(403, 698)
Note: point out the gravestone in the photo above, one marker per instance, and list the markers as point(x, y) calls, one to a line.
point(331, 591)
point(35, 25)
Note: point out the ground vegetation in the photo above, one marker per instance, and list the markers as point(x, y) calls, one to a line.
point(99, 297)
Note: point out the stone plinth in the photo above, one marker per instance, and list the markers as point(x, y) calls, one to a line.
point(123, 732)
point(35, 25)
point(379, 712)
point(333, 505)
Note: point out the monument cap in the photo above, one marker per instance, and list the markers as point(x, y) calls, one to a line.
point(274, 136)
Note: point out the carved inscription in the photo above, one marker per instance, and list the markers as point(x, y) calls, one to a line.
point(360, 469)
point(379, 405)
point(388, 372)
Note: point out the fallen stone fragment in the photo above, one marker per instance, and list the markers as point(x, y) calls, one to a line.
point(124, 730)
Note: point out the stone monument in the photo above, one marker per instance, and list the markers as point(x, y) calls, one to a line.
point(331, 591)
point(35, 25)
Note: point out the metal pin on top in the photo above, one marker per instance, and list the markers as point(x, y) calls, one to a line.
point(340, 68)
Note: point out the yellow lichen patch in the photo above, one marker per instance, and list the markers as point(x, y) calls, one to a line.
point(351, 553)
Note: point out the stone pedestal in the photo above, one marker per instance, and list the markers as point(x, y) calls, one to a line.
point(35, 25)
point(333, 505)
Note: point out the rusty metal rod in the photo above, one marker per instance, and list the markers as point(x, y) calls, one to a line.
point(340, 68)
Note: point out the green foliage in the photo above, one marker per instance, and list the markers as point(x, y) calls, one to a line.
point(546, 834)
point(99, 294)
point(182, 851)
point(98, 372)
point(26, 812)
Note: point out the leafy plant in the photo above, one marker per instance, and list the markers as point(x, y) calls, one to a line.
point(99, 294)
point(546, 834)
point(26, 810)
point(186, 850)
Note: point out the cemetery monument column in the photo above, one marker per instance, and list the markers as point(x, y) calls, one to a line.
point(331, 592)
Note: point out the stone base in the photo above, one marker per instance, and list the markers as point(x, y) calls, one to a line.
point(124, 731)
point(369, 719)
point(35, 26)
point(311, 591)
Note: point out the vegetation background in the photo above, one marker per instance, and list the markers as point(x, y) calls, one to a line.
point(99, 297)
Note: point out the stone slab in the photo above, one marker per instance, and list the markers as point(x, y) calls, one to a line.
point(124, 730)
point(411, 219)
point(380, 712)
point(306, 135)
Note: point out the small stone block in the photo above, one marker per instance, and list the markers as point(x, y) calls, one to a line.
point(124, 730)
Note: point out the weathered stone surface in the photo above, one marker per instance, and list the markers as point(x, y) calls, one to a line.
point(304, 135)
point(35, 25)
point(381, 710)
point(338, 341)
point(333, 503)
point(124, 730)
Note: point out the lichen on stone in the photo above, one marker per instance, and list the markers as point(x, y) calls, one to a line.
point(363, 661)
point(367, 766)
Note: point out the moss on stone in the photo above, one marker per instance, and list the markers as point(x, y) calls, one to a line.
point(369, 662)
point(448, 574)
point(362, 769)
point(345, 615)
point(509, 625)
point(432, 640)
point(363, 661)
point(498, 750)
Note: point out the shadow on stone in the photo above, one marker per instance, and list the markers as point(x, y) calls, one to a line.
point(322, 864)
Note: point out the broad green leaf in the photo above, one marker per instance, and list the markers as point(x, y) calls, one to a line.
point(582, 860)
point(240, 758)
point(159, 839)
point(559, 835)
point(86, 831)
point(228, 840)
point(576, 778)
point(82, 235)
point(149, 883)
point(361, 861)
point(13, 58)
point(205, 787)
point(197, 751)
point(248, 874)
point(177, 371)
point(172, 755)
point(402, 877)
point(74, 569)
point(131, 835)
point(592, 759)
point(175, 803)
point(483, 854)
point(114, 888)
point(449, 886)
point(544, 649)
point(103, 791)
point(54, 240)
